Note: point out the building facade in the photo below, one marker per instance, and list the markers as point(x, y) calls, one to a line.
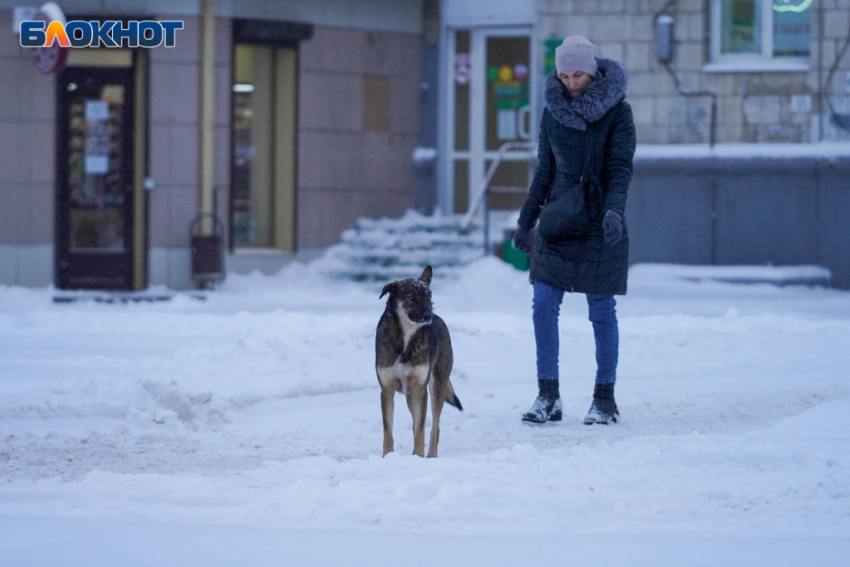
point(741, 111)
point(315, 115)
point(768, 67)
point(767, 62)
point(290, 119)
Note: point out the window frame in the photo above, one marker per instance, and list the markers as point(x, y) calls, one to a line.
point(749, 62)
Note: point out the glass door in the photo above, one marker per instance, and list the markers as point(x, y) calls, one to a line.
point(491, 92)
point(262, 198)
point(95, 178)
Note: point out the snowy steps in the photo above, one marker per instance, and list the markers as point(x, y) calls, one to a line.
point(390, 249)
point(380, 250)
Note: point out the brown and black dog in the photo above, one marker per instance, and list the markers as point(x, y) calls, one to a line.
point(413, 354)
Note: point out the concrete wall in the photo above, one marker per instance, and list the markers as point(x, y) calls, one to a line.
point(376, 15)
point(754, 106)
point(27, 164)
point(345, 171)
point(735, 211)
point(459, 13)
point(27, 152)
point(404, 16)
point(174, 91)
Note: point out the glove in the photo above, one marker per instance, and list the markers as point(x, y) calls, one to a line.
point(521, 239)
point(612, 227)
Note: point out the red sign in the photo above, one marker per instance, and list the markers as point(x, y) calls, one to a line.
point(463, 65)
point(520, 72)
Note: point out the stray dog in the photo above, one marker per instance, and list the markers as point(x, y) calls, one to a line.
point(413, 353)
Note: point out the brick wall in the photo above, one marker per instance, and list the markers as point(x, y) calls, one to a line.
point(752, 106)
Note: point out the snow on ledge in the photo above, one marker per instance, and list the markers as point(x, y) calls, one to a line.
point(757, 65)
point(776, 275)
point(742, 151)
point(424, 154)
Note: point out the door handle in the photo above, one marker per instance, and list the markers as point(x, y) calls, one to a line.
point(524, 132)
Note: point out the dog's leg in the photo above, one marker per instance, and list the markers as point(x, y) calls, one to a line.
point(417, 402)
point(438, 398)
point(387, 409)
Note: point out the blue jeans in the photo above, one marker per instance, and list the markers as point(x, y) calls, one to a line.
point(603, 315)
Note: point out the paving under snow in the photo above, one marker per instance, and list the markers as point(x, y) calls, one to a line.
point(246, 429)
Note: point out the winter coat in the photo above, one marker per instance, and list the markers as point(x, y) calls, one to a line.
point(585, 153)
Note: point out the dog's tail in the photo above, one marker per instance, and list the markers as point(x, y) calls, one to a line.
point(451, 397)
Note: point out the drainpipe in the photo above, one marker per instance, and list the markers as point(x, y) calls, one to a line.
point(206, 195)
point(839, 119)
point(664, 41)
point(821, 88)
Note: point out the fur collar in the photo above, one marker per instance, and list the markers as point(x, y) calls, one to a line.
point(594, 102)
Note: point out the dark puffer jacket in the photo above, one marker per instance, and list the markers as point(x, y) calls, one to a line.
point(587, 144)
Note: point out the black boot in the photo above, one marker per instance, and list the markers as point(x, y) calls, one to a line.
point(604, 408)
point(547, 406)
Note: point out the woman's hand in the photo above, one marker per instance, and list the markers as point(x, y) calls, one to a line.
point(521, 239)
point(612, 227)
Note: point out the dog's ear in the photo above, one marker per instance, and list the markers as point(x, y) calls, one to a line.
point(426, 275)
point(389, 288)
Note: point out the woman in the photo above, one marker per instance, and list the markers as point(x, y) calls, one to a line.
point(587, 142)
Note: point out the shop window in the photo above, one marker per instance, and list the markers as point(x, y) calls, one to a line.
point(262, 204)
point(767, 31)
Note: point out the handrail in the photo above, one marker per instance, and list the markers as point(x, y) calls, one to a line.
point(481, 197)
point(485, 184)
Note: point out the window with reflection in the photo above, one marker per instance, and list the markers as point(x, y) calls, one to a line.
point(771, 29)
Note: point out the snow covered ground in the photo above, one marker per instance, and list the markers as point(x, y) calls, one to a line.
point(246, 430)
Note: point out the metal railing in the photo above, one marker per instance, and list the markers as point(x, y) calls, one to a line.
point(480, 199)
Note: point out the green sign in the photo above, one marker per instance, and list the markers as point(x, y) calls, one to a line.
point(549, 46)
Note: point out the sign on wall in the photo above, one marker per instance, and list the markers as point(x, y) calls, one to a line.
point(49, 58)
point(463, 68)
point(50, 35)
point(97, 137)
point(549, 46)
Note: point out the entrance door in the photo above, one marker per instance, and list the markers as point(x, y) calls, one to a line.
point(490, 96)
point(262, 205)
point(95, 182)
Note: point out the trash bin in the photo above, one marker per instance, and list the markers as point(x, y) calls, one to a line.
point(516, 258)
point(207, 252)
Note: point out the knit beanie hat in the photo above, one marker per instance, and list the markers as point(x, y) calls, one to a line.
point(575, 54)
